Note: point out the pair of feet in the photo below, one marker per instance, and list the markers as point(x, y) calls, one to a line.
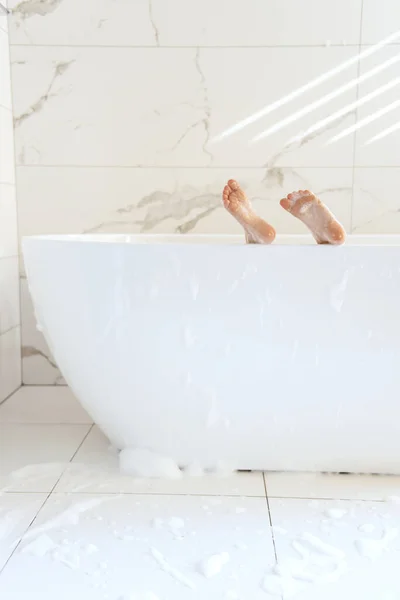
point(303, 205)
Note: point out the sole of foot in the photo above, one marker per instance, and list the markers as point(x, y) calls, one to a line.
point(238, 205)
point(316, 216)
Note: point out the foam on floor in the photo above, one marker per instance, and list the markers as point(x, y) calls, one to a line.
point(143, 463)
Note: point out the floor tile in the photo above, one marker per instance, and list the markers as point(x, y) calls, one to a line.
point(335, 549)
point(43, 404)
point(17, 511)
point(95, 547)
point(317, 485)
point(95, 470)
point(32, 457)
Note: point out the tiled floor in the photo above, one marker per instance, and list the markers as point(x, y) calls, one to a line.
point(72, 527)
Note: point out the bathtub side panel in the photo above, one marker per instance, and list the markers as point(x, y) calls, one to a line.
point(265, 358)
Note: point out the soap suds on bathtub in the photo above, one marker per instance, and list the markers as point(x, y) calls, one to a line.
point(335, 513)
point(194, 287)
point(170, 570)
point(366, 528)
point(139, 596)
point(189, 337)
point(232, 595)
point(194, 470)
point(211, 566)
point(338, 293)
point(140, 462)
point(213, 413)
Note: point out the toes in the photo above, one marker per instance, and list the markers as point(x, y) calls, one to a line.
point(233, 185)
point(286, 203)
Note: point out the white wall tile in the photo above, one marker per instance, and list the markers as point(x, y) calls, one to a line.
point(10, 339)
point(187, 22)
point(376, 205)
point(257, 22)
point(180, 99)
point(8, 221)
point(92, 22)
point(385, 151)
point(380, 19)
point(5, 87)
point(10, 362)
point(9, 294)
point(4, 18)
point(7, 174)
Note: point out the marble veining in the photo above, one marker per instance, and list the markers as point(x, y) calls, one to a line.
point(29, 8)
point(59, 70)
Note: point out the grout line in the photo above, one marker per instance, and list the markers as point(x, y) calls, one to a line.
point(8, 331)
point(40, 423)
point(25, 531)
point(12, 393)
point(144, 494)
point(55, 385)
point(205, 495)
point(191, 47)
point(205, 167)
point(328, 498)
point(5, 258)
point(80, 445)
point(270, 517)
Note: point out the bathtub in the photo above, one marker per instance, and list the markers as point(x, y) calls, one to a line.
point(210, 351)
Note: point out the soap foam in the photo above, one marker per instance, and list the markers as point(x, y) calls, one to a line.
point(140, 462)
point(170, 570)
point(373, 549)
point(212, 565)
point(139, 596)
point(335, 513)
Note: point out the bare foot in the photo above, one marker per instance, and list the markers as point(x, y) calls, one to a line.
point(236, 202)
point(316, 216)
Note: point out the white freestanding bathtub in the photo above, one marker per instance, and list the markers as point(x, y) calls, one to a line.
point(204, 349)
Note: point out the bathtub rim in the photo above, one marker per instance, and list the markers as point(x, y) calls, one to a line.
point(178, 239)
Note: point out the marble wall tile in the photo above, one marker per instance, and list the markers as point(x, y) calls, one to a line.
point(5, 87)
point(382, 152)
point(162, 107)
point(185, 22)
point(4, 19)
point(8, 221)
point(10, 361)
point(10, 339)
point(9, 294)
point(7, 174)
point(380, 19)
point(376, 205)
